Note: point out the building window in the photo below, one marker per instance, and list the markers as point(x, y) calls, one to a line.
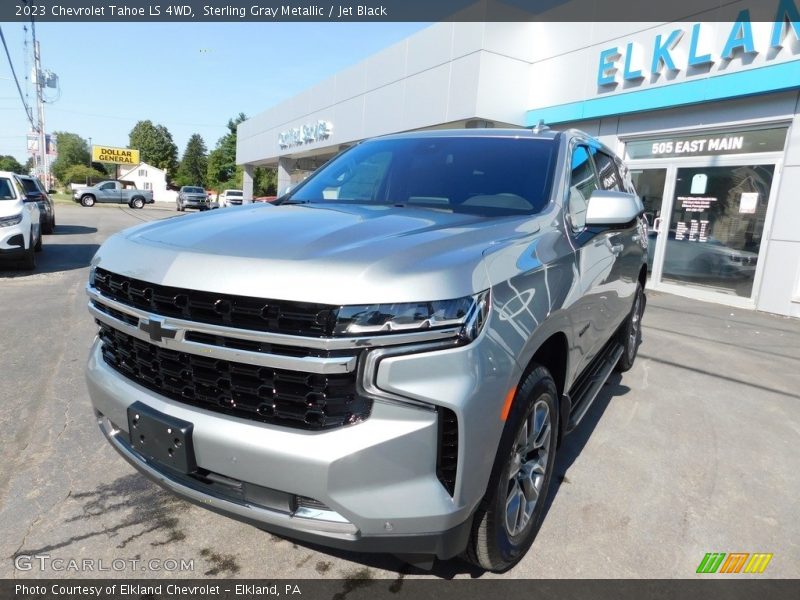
point(142, 172)
point(147, 185)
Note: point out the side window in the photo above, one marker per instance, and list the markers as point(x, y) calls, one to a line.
point(6, 190)
point(107, 186)
point(582, 183)
point(607, 171)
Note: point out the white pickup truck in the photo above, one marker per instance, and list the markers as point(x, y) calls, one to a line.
point(115, 192)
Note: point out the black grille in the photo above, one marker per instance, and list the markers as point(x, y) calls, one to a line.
point(291, 398)
point(243, 312)
point(447, 455)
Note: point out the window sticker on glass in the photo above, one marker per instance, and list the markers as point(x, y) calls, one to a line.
point(748, 202)
point(699, 184)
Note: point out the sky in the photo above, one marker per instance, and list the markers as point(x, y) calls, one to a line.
point(191, 78)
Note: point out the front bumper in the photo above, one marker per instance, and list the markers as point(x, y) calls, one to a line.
point(12, 240)
point(378, 477)
point(191, 203)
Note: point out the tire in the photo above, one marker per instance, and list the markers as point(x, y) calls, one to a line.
point(87, 200)
point(630, 333)
point(137, 203)
point(38, 246)
point(28, 261)
point(501, 535)
point(48, 225)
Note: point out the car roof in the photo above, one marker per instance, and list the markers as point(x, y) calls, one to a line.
point(541, 134)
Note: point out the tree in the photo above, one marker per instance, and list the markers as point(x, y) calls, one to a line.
point(194, 164)
point(82, 174)
point(155, 145)
point(72, 150)
point(222, 170)
point(9, 163)
point(265, 182)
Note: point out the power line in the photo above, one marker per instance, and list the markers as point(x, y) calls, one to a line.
point(14, 73)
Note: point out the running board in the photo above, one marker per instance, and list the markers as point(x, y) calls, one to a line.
point(591, 382)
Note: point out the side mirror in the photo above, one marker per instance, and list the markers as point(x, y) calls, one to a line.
point(607, 207)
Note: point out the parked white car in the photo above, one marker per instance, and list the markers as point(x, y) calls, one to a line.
point(20, 228)
point(230, 198)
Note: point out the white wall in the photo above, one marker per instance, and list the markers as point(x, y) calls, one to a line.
point(446, 73)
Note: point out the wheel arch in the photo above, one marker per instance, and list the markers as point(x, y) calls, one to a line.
point(553, 354)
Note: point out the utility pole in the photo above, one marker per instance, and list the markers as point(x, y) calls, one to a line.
point(40, 83)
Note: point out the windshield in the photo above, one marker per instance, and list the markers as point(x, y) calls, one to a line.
point(233, 193)
point(6, 190)
point(489, 176)
point(194, 190)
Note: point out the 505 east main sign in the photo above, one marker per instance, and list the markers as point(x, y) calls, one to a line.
point(688, 48)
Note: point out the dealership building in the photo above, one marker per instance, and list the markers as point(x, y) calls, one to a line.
point(705, 114)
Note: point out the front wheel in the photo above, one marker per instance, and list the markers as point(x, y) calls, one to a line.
point(511, 512)
point(28, 261)
point(87, 200)
point(137, 203)
point(630, 334)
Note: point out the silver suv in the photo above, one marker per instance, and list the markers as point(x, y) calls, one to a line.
point(388, 359)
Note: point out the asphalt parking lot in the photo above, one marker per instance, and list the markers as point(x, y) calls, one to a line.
point(695, 450)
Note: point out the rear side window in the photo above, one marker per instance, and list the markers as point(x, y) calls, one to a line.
point(29, 185)
point(6, 189)
point(583, 181)
point(607, 171)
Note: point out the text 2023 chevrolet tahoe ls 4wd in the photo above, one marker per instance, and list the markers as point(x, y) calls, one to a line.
point(387, 359)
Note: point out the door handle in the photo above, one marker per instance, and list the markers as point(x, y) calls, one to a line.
point(657, 224)
point(616, 249)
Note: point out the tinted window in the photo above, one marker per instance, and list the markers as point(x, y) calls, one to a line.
point(479, 175)
point(607, 171)
point(233, 193)
point(6, 190)
point(107, 186)
point(29, 185)
point(194, 190)
point(583, 182)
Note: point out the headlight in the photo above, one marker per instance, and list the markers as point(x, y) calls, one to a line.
point(469, 312)
point(9, 221)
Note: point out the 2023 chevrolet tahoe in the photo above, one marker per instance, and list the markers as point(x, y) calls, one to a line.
point(388, 359)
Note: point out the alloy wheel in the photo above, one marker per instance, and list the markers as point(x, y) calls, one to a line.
point(528, 466)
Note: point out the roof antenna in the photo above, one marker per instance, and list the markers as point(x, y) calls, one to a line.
point(540, 127)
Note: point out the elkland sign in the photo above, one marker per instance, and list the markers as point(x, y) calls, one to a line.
point(689, 49)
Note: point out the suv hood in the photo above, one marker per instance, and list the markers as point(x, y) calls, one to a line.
point(335, 254)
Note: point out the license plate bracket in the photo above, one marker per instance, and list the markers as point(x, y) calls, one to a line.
point(162, 438)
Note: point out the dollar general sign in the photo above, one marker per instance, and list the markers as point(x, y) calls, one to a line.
point(120, 156)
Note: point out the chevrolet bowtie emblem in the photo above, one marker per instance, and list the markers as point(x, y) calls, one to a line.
point(156, 330)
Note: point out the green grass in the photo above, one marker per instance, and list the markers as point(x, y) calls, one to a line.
point(62, 198)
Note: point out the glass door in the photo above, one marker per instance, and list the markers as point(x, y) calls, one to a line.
point(650, 185)
point(715, 227)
